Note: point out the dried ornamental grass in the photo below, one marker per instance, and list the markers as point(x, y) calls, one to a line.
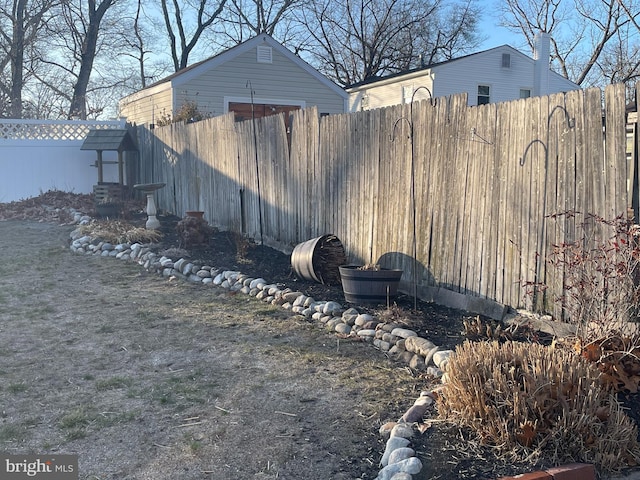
point(537, 403)
point(117, 231)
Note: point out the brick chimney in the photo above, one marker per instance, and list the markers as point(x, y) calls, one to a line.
point(541, 57)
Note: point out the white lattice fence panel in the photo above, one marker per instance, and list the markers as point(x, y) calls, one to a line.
point(51, 129)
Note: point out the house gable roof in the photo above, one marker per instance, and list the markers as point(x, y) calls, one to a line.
point(420, 71)
point(192, 71)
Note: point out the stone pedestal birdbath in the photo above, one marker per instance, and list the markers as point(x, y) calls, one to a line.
point(149, 189)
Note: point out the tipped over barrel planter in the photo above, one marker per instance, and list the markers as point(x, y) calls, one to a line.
point(369, 286)
point(318, 259)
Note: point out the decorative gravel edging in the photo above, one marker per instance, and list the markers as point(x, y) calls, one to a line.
point(399, 461)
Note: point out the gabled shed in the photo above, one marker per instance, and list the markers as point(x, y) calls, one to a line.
point(118, 140)
point(260, 76)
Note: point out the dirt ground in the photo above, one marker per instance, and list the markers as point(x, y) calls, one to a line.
point(148, 378)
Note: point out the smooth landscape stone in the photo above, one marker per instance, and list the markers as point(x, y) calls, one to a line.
point(417, 363)
point(177, 265)
point(385, 429)
point(333, 321)
point(366, 333)
point(257, 282)
point(403, 332)
point(392, 444)
point(441, 356)
point(231, 274)
point(291, 296)
point(418, 345)
point(401, 454)
point(402, 430)
point(332, 308)
point(203, 273)
point(362, 319)
point(395, 351)
point(415, 414)
point(402, 476)
point(218, 279)
point(299, 301)
point(349, 318)
point(428, 358)
point(309, 301)
point(343, 328)
point(273, 290)
point(424, 400)
point(207, 280)
point(186, 268)
point(410, 465)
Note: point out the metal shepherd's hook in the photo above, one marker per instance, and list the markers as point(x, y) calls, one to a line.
point(413, 188)
point(255, 147)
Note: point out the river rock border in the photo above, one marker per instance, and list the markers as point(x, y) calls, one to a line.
point(399, 460)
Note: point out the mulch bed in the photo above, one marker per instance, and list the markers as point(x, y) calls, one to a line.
point(444, 326)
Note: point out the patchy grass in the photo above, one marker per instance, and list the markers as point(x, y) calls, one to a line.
point(113, 383)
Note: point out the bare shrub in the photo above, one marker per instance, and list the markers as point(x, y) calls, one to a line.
point(537, 403)
point(597, 273)
point(194, 231)
point(118, 231)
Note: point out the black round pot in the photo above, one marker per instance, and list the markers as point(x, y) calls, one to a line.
point(369, 286)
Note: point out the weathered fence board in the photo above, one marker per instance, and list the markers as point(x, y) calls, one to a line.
point(490, 186)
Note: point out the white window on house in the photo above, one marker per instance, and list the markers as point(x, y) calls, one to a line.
point(407, 94)
point(506, 60)
point(484, 94)
point(365, 101)
point(525, 93)
point(265, 55)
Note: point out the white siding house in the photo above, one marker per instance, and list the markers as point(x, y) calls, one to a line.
point(495, 75)
point(259, 71)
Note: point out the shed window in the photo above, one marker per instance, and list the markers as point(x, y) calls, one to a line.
point(265, 55)
point(484, 94)
point(407, 94)
point(525, 92)
point(506, 60)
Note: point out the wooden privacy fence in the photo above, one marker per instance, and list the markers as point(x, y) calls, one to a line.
point(486, 181)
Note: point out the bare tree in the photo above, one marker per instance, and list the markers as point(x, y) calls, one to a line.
point(620, 63)
point(580, 30)
point(85, 28)
point(21, 23)
point(177, 24)
point(244, 19)
point(137, 46)
point(359, 39)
